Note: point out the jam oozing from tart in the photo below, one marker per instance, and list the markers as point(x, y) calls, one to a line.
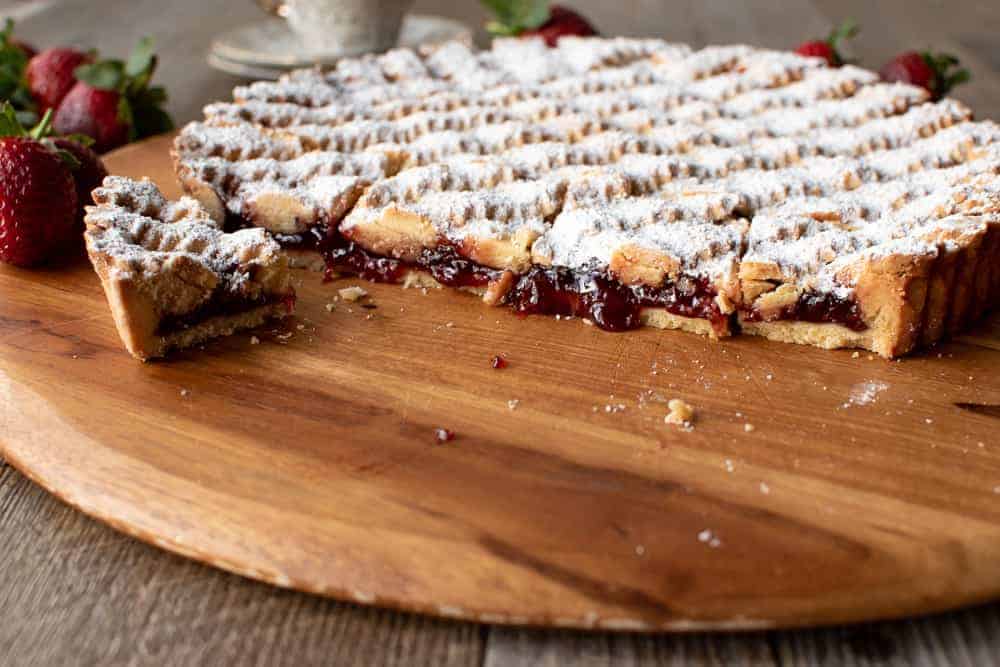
point(444, 263)
point(593, 295)
point(608, 303)
point(824, 308)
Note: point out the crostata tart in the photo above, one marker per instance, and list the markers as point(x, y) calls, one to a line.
point(172, 277)
point(627, 181)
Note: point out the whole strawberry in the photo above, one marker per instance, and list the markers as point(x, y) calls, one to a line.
point(113, 103)
point(38, 201)
point(829, 49)
point(536, 18)
point(934, 72)
point(50, 75)
point(95, 113)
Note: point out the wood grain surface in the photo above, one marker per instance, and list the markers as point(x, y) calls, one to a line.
point(73, 591)
point(861, 489)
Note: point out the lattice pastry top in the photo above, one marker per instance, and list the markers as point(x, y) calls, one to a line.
point(523, 155)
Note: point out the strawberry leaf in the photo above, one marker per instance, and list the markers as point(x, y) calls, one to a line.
point(945, 76)
point(849, 29)
point(10, 126)
point(516, 16)
point(13, 61)
point(125, 116)
point(104, 75)
point(81, 139)
point(67, 158)
point(142, 60)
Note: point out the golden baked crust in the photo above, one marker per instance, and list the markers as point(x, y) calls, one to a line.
point(172, 278)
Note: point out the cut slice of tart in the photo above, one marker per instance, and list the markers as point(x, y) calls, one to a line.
point(173, 278)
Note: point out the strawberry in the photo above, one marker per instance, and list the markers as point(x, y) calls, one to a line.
point(828, 49)
point(50, 75)
point(95, 113)
point(535, 18)
point(932, 71)
point(562, 22)
point(38, 200)
point(113, 103)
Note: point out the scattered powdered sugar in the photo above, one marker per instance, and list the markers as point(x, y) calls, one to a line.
point(865, 393)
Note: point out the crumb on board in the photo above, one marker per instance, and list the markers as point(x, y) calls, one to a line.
point(680, 412)
point(749, 428)
point(708, 537)
point(513, 403)
point(254, 340)
point(444, 434)
point(352, 293)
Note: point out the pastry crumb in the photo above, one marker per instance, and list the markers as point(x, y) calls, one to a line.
point(749, 428)
point(709, 538)
point(764, 488)
point(352, 293)
point(184, 392)
point(513, 403)
point(681, 413)
point(254, 340)
point(444, 435)
point(330, 307)
point(855, 355)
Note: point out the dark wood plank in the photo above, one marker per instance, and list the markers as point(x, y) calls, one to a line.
point(509, 647)
point(73, 591)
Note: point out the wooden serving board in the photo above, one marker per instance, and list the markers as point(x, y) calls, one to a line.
point(863, 489)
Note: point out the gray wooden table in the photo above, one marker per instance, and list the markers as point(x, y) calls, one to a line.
point(73, 591)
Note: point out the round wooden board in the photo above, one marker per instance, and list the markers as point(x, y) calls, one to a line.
point(309, 460)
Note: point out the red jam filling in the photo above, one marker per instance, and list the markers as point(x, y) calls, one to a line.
point(608, 303)
point(593, 295)
point(221, 304)
point(814, 307)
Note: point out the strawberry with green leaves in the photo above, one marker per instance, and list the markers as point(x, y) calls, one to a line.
point(935, 72)
point(113, 101)
point(829, 48)
point(536, 18)
point(38, 198)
